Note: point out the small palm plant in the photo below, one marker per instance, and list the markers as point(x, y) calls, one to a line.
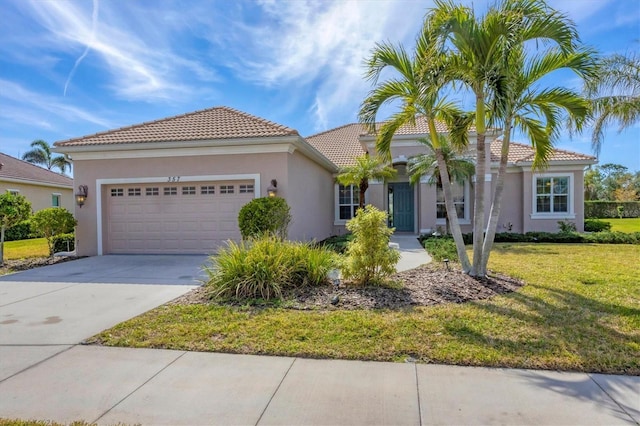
point(366, 168)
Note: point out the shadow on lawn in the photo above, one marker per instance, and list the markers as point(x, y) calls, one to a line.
point(565, 323)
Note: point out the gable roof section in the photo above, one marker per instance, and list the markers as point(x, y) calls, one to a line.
point(208, 124)
point(524, 154)
point(14, 169)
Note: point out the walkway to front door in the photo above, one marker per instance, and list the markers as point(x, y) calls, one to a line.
point(401, 206)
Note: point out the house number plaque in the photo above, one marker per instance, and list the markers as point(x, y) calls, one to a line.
point(173, 179)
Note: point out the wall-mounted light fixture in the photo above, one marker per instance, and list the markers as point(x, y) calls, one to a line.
point(81, 195)
point(272, 190)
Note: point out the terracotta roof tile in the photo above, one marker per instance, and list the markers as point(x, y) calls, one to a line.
point(207, 124)
point(340, 145)
point(521, 153)
point(13, 168)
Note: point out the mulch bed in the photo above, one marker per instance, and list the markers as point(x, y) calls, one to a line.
point(427, 285)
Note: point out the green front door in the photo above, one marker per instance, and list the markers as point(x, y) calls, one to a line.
point(401, 203)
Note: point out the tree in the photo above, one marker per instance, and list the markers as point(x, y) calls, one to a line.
point(41, 155)
point(520, 102)
point(459, 168)
point(14, 208)
point(51, 222)
point(615, 95)
point(611, 182)
point(417, 86)
point(365, 169)
point(480, 51)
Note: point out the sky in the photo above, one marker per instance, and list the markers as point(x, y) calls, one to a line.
point(70, 68)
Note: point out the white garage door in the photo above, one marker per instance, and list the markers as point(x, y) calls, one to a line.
point(191, 217)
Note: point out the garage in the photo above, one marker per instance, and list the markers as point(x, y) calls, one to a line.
point(175, 217)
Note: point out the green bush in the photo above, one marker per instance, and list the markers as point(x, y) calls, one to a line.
point(51, 222)
point(337, 243)
point(266, 215)
point(21, 231)
point(609, 209)
point(441, 248)
point(566, 227)
point(612, 238)
point(369, 259)
point(63, 242)
point(595, 225)
point(266, 267)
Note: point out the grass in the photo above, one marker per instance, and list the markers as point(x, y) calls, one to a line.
point(624, 225)
point(578, 312)
point(36, 247)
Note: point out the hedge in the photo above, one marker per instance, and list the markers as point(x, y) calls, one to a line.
point(21, 231)
point(560, 237)
point(609, 209)
point(64, 242)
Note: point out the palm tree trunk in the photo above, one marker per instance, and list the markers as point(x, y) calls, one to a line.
point(496, 203)
point(364, 185)
point(452, 214)
point(479, 192)
point(2, 244)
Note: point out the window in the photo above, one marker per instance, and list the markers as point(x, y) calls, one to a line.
point(134, 192)
point(152, 191)
point(348, 201)
point(170, 190)
point(188, 190)
point(117, 192)
point(207, 190)
point(55, 200)
point(459, 201)
point(14, 191)
point(226, 189)
point(246, 189)
point(552, 194)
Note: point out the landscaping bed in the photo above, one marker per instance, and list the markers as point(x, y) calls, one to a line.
point(16, 265)
point(427, 285)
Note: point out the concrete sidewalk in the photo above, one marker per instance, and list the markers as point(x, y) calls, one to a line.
point(112, 385)
point(412, 254)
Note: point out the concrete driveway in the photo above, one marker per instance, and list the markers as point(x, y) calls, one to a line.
point(45, 311)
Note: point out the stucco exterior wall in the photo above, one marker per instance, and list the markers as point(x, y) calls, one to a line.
point(512, 203)
point(87, 172)
point(40, 195)
point(309, 193)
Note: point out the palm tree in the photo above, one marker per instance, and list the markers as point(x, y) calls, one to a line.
point(615, 94)
point(477, 48)
point(41, 155)
point(520, 103)
point(365, 169)
point(459, 168)
point(420, 78)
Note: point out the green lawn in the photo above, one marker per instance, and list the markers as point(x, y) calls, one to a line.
point(21, 249)
point(579, 311)
point(624, 225)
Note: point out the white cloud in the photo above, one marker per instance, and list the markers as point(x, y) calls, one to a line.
point(24, 106)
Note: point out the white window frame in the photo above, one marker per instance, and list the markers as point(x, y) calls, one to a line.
point(336, 198)
point(13, 191)
point(59, 195)
point(466, 220)
point(570, 214)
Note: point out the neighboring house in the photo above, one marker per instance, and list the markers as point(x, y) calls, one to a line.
point(42, 187)
point(176, 185)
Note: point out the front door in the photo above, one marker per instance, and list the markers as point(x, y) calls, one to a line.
point(401, 206)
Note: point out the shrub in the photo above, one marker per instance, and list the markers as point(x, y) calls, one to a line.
point(337, 243)
point(609, 209)
point(369, 259)
point(63, 242)
point(441, 248)
point(264, 215)
point(595, 225)
point(267, 266)
point(566, 226)
point(613, 238)
point(21, 231)
point(51, 222)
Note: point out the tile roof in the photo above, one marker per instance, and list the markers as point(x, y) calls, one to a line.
point(340, 145)
point(13, 168)
point(521, 153)
point(207, 124)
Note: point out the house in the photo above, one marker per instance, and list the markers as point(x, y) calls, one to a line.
point(42, 187)
point(176, 185)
